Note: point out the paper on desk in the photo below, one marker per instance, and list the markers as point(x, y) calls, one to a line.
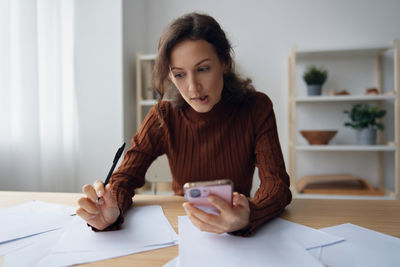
point(266, 248)
point(139, 221)
point(307, 237)
point(36, 256)
point(67, 259)
point(32, 218)
point(143, 226)
point(32, 253)
point(363, 247)
point(20, 243)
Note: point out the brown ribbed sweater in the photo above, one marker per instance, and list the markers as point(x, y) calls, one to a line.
point(224, 143)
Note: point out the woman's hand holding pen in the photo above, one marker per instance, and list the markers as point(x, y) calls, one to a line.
point(231, 218)
point(99, 208)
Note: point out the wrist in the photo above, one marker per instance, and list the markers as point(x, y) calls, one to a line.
point(116, 225)
point(242, 231)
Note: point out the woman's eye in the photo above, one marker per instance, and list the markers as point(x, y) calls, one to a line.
point(179, 75)
point(203, 69)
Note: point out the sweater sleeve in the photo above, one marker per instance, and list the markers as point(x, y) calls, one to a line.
point(273, 194)
point(147, 145)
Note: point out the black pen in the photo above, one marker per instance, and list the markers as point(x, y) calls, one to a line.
point(116, 158)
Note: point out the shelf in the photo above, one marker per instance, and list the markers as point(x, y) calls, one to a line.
point(360, 51)
point(340, 98)
point(372, 148)
point(158, 172)
point(148, 102)
point(351, 68)
point(388, 196)
point(148, 57)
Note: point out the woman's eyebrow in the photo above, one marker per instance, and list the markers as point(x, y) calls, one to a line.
point(200, 62)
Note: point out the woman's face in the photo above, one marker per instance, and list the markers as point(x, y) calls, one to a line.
point(197, 72)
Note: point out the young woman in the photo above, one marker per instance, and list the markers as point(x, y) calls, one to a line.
point(216, 127)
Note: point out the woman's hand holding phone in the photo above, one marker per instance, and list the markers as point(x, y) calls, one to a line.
point(230, 218)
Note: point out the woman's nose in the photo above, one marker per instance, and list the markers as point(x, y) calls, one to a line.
point(194, 84)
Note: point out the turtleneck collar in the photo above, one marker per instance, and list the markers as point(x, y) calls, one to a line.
point(219, 111)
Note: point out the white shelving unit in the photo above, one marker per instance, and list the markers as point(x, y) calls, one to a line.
point(345, 148)
point(339, 98)
point(148, 102)
point(353, 69)
point(144, 90)
point(159, 174)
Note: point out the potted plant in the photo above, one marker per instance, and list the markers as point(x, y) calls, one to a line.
point(364, 120)
point(315, 77)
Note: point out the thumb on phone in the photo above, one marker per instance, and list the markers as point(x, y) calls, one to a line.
point(218, 202)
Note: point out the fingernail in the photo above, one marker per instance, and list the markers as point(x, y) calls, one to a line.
point(211, 199)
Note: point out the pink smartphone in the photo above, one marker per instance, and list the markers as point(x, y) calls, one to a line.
point(197, 192)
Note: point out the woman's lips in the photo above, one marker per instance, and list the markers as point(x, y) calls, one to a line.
point(200, 100)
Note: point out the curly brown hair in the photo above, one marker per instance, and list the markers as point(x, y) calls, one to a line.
point(195, 26)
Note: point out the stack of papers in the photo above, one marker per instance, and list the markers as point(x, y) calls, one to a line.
point(283, 243)
point(30, 219)
point(57, 239)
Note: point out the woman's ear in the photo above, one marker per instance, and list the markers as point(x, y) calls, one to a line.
point(226, 66)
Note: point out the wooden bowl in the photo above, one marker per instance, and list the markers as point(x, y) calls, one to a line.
point(316, 137)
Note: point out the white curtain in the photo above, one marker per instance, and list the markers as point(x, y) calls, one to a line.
point(38, 116)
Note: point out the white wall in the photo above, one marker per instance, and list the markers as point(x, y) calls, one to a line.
point(263, 32)
point(134, 14)
point(109, 33)
point(98, 59)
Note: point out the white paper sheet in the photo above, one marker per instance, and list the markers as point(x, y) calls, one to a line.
point(363, 247)
point(144, 229)
point(34, 252)
point(143, 226)
point(14, 245)
point(30, 257)
point(67, 259)
point(266, 248)
point(32, 218)
point(307, 237)
point(316, 253)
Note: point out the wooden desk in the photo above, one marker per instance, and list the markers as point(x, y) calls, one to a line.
point(378, 215)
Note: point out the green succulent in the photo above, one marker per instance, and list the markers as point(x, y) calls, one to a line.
point(315, 75)
point(365, 116)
